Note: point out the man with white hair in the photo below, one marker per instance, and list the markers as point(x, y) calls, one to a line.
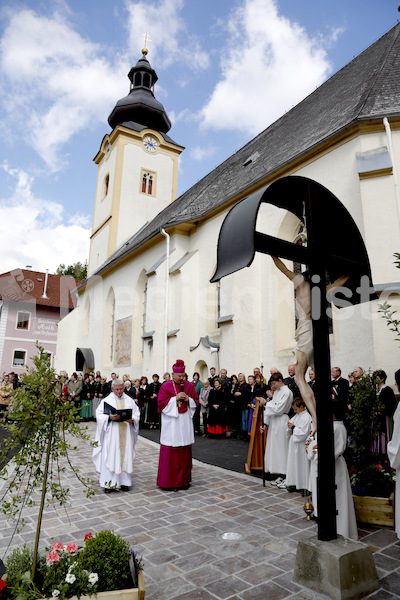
point(117, 419)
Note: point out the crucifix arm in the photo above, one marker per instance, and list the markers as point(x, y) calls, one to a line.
point(283, 268)
point(338, 283)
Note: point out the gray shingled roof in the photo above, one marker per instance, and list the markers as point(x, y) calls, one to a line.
point(366, 88)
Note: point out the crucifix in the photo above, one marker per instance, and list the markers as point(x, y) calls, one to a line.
point(330, 260)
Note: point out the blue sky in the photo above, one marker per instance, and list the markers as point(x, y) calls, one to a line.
point(226, 69)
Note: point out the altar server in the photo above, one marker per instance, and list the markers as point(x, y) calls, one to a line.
point(393, 450)
point(299, 428)
point(346, 523)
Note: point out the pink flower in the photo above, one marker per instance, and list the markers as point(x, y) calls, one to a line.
point(52, 557)
point(379, 467)
point(57, 546)
point(72, 548)
point(87, 536)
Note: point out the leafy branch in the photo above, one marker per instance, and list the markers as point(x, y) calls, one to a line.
point(386, 309)
point(39, 425)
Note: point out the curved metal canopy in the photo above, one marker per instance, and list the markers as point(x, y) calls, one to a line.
point(84, 356)
point(334, 242)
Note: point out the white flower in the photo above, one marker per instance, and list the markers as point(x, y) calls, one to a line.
point(93, 578)
point(56, 593)
point(70, 578)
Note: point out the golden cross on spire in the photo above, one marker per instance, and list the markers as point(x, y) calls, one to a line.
point(147, 38)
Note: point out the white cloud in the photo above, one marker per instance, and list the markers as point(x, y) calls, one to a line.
point(201, 152)
point(54, 82)
point(169, 39)
point(38, 232)
point(270, 64)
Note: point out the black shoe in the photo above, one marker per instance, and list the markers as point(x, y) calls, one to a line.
point(124, 488)
point(108, 490)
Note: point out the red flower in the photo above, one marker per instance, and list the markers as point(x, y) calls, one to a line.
point(52, 557)
point(378, 467)
point(2, 585)
point(57, 546)
point(87, 536)
point(352, 471)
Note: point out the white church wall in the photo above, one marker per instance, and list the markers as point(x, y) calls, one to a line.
point(98, 249)
point(102, 206)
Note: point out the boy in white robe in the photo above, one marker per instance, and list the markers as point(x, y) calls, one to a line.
point(276, 417)
point(346, 523)
point(298, 465)
point(393, 450)
point(115, 451)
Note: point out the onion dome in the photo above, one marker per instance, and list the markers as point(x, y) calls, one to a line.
point(140, 107)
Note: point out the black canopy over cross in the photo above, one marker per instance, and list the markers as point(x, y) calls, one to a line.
point(334, 249)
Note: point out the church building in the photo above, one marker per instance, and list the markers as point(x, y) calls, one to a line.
point(148, 300)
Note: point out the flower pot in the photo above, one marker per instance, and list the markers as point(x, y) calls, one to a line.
point(375, 511)
point(129, 594)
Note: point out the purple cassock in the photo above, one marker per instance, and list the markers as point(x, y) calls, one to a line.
point(177, 435)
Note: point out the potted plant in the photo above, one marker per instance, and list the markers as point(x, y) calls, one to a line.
point(371, 476)
point(104, 565)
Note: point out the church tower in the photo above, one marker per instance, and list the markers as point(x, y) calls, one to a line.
point(137, 167)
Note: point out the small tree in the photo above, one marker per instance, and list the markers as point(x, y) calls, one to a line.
point(77, 270)
point(39, 422)
point(366, 458)
point(388, 313)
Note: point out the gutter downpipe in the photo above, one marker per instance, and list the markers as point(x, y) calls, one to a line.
point(166, 307)
point(391, 153)
point(44, 295)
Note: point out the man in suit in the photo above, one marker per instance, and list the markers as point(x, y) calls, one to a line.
point(75, 390)
point(340, 388)
point(291, 383)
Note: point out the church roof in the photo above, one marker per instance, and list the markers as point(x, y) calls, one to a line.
point(367, 88)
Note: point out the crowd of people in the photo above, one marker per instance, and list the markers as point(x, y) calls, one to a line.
point(221, 406)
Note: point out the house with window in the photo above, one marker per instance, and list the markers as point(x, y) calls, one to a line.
point(31, 305)
point(148, 298)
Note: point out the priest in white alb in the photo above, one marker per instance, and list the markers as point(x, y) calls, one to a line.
point(177, 401)
point(117, 419)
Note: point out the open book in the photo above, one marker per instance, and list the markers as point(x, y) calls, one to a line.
point(124, 414)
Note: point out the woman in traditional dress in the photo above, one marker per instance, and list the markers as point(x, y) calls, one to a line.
point(198, 384)
point(153, 419)
point(217, 420)
point(86, 411)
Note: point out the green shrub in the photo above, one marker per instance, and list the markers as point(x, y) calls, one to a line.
point(18, 567)
point(107, 554)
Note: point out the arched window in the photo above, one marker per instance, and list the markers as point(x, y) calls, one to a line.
point(106, 184)
point(148, 181)
point(146, 80)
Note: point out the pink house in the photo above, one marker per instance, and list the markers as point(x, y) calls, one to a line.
point(31, 305)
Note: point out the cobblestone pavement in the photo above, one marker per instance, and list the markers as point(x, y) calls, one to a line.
point(179, 534)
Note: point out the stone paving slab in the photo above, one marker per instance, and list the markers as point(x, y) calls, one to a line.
point(179, 534)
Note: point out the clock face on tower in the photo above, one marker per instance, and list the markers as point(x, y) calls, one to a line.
point(150, 143)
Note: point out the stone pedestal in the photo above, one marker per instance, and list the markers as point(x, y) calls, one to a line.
point(342, 569)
